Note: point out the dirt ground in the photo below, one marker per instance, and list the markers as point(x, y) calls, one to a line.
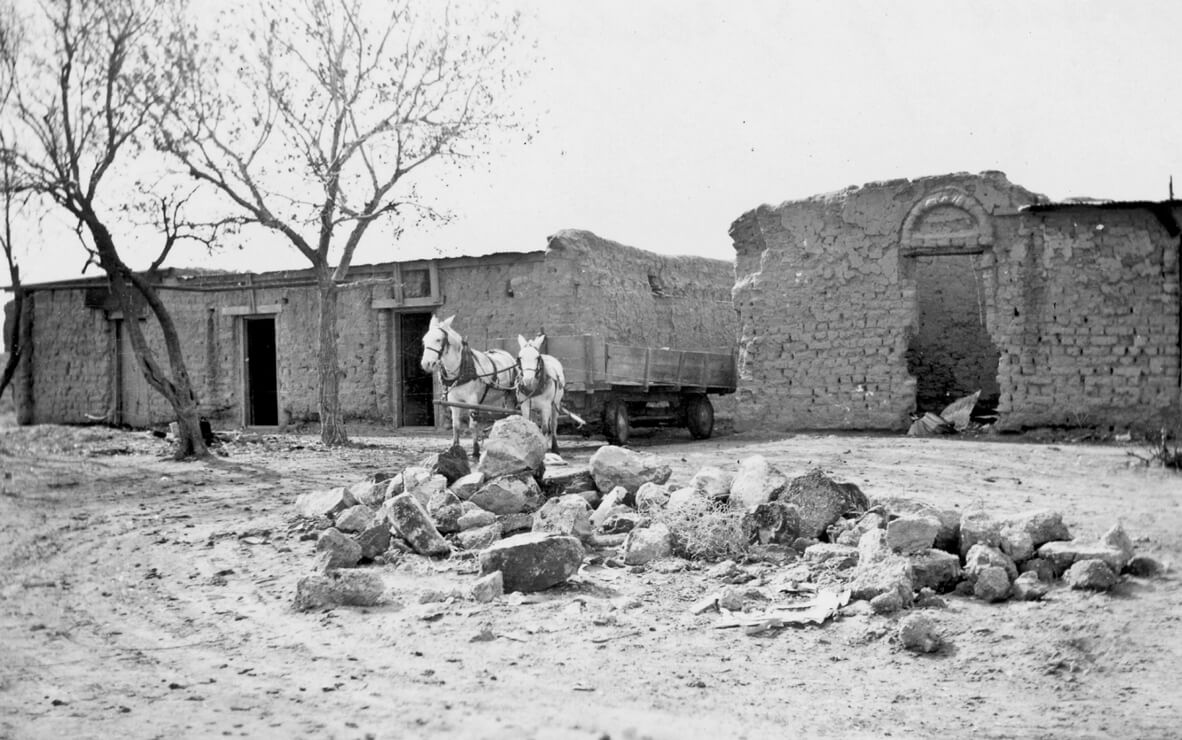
point(142, 597)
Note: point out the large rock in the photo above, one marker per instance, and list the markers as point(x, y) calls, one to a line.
point(355, 519)
point(892, 573)
point(714, 483)
point(478, 538)
point(342, 551)
point(646, 544)
point(477, 517)
point(452, 464)
point(339, 588)
point(375, 540)
point(651, 497)
point(515, 445)
point(948, 537)
point(533, 561)
point(468, 485)
point(613, 467)
point(427, 488)
point(1094, 575)
point(508, 495)
point(1062, 555)
point(981, 556)
point(912, 533)
point(991, 583)
point(757, 482)
point(1022, 534)
point(559, 481)
point(410, 520)
point(568, 514)
point(683, 497)
point(372, 493)
point(772, 523)
point(822, 501)
point(979, 527)
point(316, 504)
point(935, 569)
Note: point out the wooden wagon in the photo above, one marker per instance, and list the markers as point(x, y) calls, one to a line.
point(620, 387)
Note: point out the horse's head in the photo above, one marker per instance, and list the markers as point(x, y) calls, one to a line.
point(529, 362)
point(439, 337)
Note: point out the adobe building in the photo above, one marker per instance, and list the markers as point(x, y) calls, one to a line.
point(862, 307)
point(250, 339)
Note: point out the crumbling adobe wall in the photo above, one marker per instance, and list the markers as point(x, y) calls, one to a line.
point(1087, 318)
point(827, 302)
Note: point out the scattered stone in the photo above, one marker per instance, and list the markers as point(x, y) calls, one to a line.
point(927, 599)
point(428, 488)
point(647, 544)
point(372, 493)
point(978, 527)
point(533, 561)
point(849, 531)
point(800, 544)
point(1042, 525)
point(992, 583)
point(1118, 539)
point(684, 497)
point(773, 522)
point(447, 518)
point(394, 486)
point(1144, 566)
point(1028, 587)
point(478, 538)
point(822, 501)
point(981, 556)
point(343, 551)
point(339, 588)
point(508, 495)
point(452, 464)
point(613, 466)
point(514, 523)
point(375, 540)
point(324, 503)
point(888, 602)
point(568, 514)
point(410, 520)
point(731, 598)
point(468, 485)
point(919, 634)
point(892, 573)
point(712, 482)
point(1016, 542)
point(488, 587)
point(1043, 569)
point(912, 533)
point(757, 482)
point(477, 518)
point(773, 554)
point(935, 569)
point(568, 479)
point(873, 546)
point(514, 446)
point(828, 555)
point(651, 497)
point(355, 519)
point(1091, 574)
point(1062, 555)
point(441, 499)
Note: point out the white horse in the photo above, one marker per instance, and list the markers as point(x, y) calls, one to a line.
point(540, 384)
point(468, 375)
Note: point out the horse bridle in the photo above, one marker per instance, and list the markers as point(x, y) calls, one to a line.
point(539, 373)
point(442, 345)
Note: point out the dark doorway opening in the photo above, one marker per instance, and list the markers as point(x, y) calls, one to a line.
point(415, 388)
point(951, 354)
point(259, 359)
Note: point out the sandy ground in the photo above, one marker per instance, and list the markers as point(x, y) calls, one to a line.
point(142, 597)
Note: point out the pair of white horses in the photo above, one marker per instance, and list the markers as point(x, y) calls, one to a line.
point(530, 381)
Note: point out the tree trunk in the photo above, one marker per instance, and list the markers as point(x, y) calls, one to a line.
point(177, 390)
point(332, 423)
point(15, 341)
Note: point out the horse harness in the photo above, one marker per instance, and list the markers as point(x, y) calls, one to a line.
point(540, 385)
point(466, 373)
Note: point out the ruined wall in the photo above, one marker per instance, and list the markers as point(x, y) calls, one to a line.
point(1087, 318)
point(827, 302)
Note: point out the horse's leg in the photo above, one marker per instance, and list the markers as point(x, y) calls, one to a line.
point(550, 419)
point(456, 416)
point(474, 429)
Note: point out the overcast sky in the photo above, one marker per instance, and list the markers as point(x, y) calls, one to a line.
point(662, 122)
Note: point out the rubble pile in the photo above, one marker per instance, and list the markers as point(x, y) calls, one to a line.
point(530, 520)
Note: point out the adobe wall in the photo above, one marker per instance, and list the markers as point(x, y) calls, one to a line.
point(1087, 318)
point(827, 299)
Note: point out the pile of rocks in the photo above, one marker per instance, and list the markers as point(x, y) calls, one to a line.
point(531, 520)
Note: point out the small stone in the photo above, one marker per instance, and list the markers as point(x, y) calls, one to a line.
point(731, 599)
point(1028, 587)
point(515, 445)
point(982, 556)
point(935, 569)
point(466, 486)
point(927, 599)
point(613, 466)
point(822, 501)
point(1118, 539)
point(918, 633)
point(488, 587)
point(1144, 566)
point(515, 523)
point(355, 519)
point(533, 561)
point(447, 518)
point(375, 540)
point(622, 521)
point(568, 479)
point(345, 587)
point(1063, 554)
point(451, 464)
point(651, 497)
point(1040, 567)
point(343, 551)
point(1094, 575)
point(911, 534)
point(772, 523)
point(757, 482)
point(372, 493)
point(410, 520)
point(992, 583)
point(478, 538)
point(648, 544)
point(888, 602)
point(567, 514)
point(892, 573)
point(324, 503)
point(827, 555)
point(979, 528)
point(475, 518)
point(508, 495)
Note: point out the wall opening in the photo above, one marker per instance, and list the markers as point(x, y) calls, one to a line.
point(414, 389)
point(134, 397)
point(951, 353)
point(260, 372)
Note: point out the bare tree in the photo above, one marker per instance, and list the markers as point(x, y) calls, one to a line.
point(12, 193)
point(312, 122)
point(84, 94)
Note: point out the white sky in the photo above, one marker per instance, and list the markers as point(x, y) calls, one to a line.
point(660, 122)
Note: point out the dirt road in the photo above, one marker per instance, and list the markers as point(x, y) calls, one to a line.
point(142, 597)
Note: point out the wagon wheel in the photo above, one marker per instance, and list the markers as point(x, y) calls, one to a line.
point(699, 416)
point(615, 422)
